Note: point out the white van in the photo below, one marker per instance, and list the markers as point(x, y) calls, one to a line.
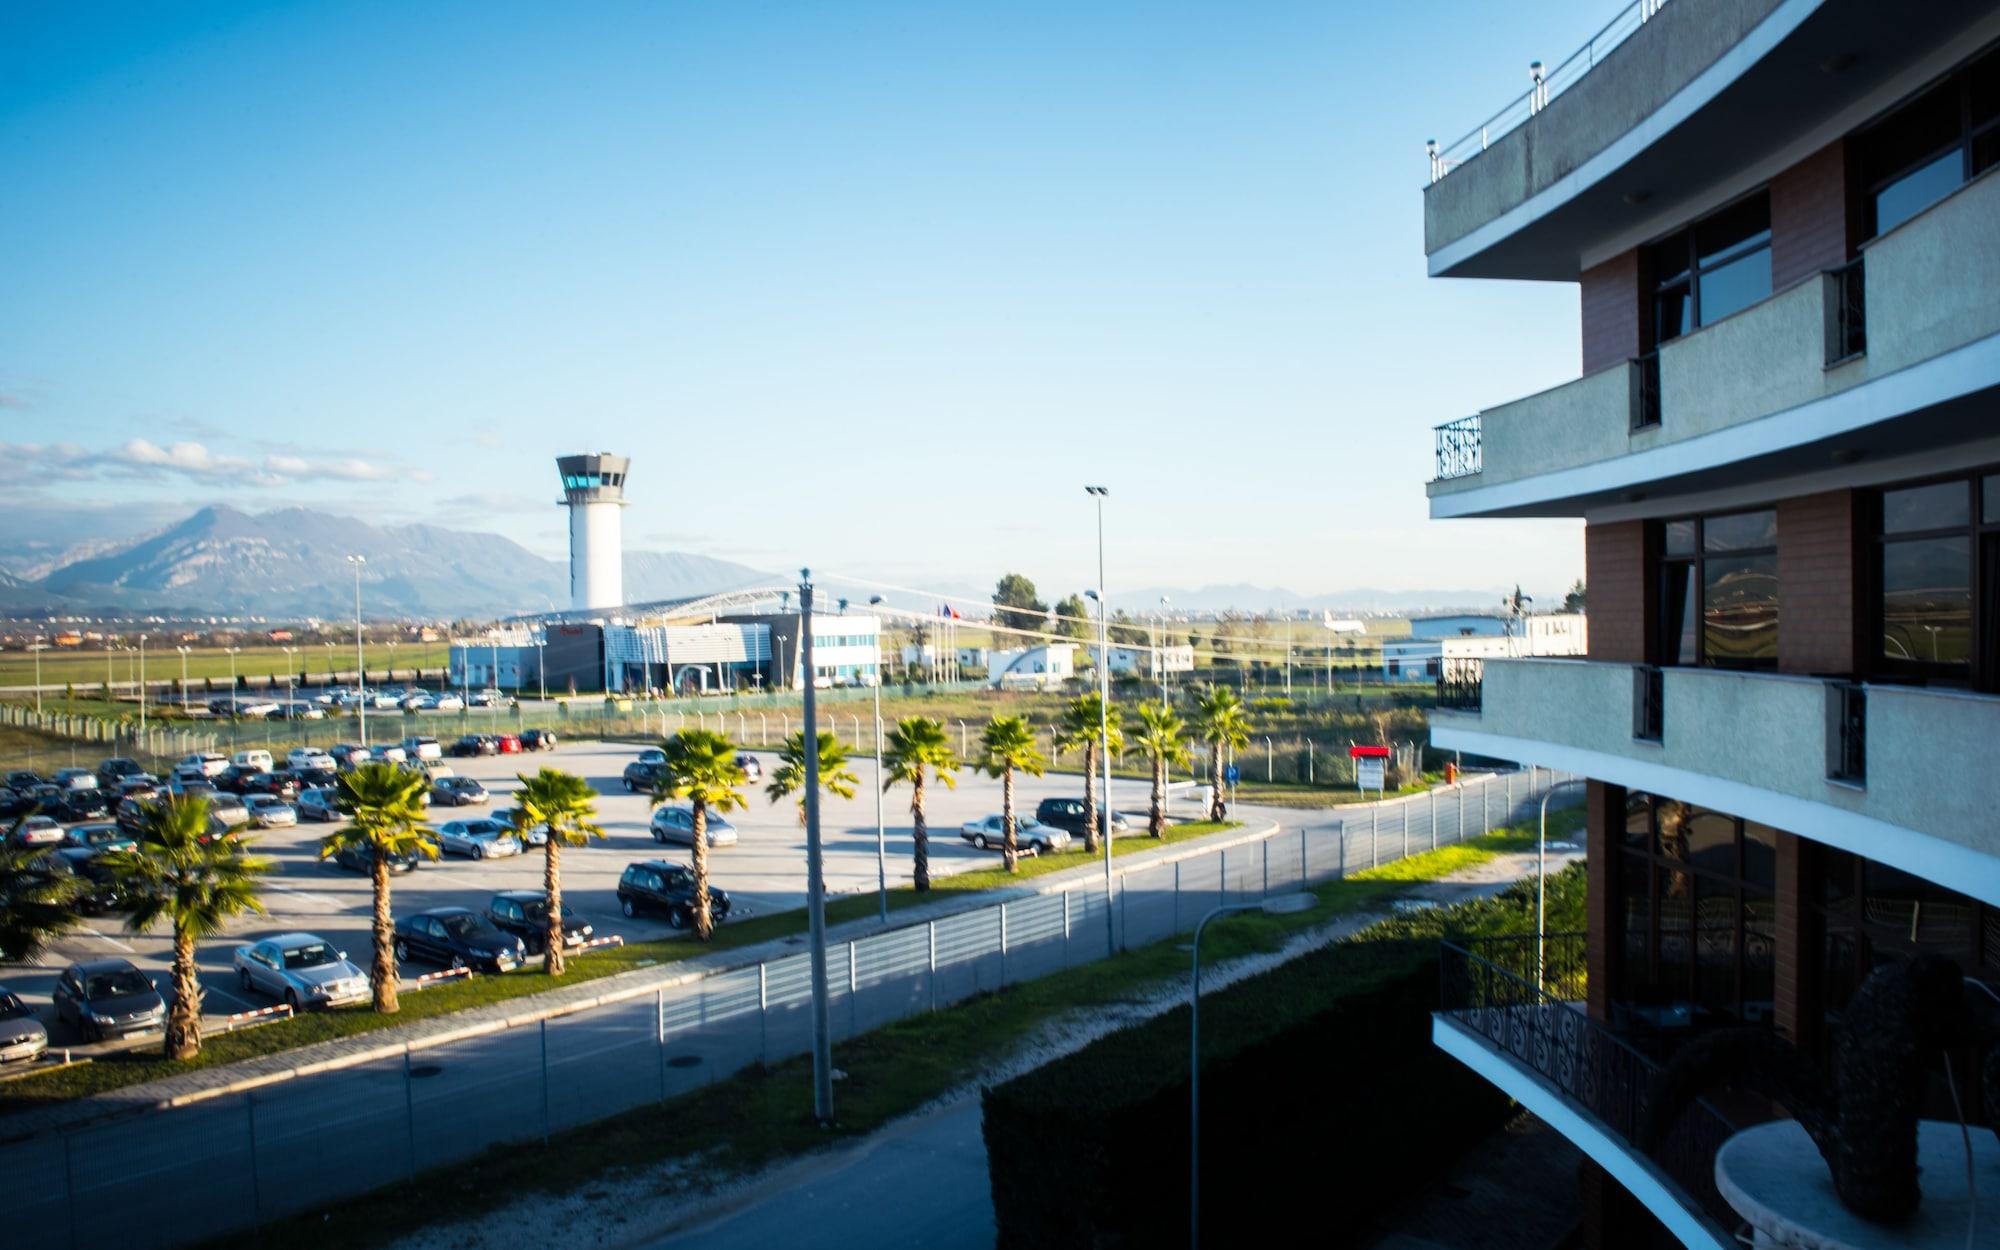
point(419, 747)
point(204, 763)
point(257, 759)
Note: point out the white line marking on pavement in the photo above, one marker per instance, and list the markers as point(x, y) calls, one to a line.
point(102, 938)
point(325, 900)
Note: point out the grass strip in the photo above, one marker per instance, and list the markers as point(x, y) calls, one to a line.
point(762, 1115)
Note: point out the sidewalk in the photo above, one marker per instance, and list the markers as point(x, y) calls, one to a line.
point(204, 1083)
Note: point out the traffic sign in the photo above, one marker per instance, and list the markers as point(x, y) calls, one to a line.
point(1231, 774)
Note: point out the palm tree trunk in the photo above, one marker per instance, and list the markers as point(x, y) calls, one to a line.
point(184, 1017)
point(704, 920)
point(1215, 808)
point(552, 937)
point(1090, 797)
point(1010, 853)
point(920, 834)
point(382, 977)
point(1156, 819)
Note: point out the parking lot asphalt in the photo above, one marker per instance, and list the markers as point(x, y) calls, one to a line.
point(764, 872)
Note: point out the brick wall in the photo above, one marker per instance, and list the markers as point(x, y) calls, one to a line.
point(1614, 564)
point(1818, 563)
point(1812, 216)
point(1610, 311)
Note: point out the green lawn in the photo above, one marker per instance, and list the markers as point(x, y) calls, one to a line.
point(85, 668)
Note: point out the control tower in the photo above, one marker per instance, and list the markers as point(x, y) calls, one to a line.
point(594, 493)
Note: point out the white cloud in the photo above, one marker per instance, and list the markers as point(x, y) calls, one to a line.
point(138, 457)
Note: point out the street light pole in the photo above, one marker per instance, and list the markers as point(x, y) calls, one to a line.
point(881, 835)
point(232, 682)
point(1104, 722)
point(290, 677)
point(184, 677)
point(815, 873)
point(142, 685)
point(360, 659)
point(38, 675)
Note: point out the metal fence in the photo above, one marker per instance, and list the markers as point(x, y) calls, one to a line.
point(241, 1159)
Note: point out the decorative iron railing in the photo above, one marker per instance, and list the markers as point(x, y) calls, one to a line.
point(1649, 696)
point(1848, 704)
point(1847, 321)
point(1646, 404)
point(1459, 453)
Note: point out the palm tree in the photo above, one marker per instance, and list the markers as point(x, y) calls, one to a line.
point(1162, 737)
point(561, 804)
point(1008, 744)
point(789, 777)
point(917, 743)
point(700, 767)
point(385, 812)
point(1219, 720)
point(196, 882)
point(1079, 725)
point(37, 902)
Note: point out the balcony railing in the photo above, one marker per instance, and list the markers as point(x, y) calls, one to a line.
point(1459, 452)
point(1488, 986)
point(1847, 312)
point(1646, 402)
point(1458, 683)
point(1648, 703)
point(1847, 739)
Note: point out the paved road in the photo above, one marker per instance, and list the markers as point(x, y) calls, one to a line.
point(922, 1185)
point(764, 872)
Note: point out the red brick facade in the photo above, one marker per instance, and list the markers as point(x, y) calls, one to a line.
point(1614, 569)
point(1813, 218)
point(1818, 567)
point(1610, 300)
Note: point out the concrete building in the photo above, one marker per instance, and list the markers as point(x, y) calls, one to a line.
point(1424, 658)
point(1459, 625)
point(1151, 662)
point(1050, 664)
point(594, 493)
point(1783, 220)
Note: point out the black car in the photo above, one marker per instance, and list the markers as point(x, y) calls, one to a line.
point(109, 998)
point(358, 859)
point(475, 744)
point(666, 889)
point(244, 781)
point(110, 772)
point(98, 892)
point(13, 803)
point(641, 775)
point(455, 937)
point(525, 914)
point(22, 781)
point(75, 805)
point(538, 740)
point(1067, 814)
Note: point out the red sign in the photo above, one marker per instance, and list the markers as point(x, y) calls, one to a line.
point(1368, 753)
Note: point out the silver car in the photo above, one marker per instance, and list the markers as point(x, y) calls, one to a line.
point(302, 969)
point(21, 1033)
point(268, 811)
point(990, 833)
point(228, 810)
point(675, 823)
point(481, 839)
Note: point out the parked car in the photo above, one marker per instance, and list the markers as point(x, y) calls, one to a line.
point(299, 709)
point(753, 769)
point(268, 811)
point(457, 938)
point(513, 820)
point(21, 1033)
point(419, 747)
point(256, 757)
point(481, 839)
point(207, 763)
point(302, 969)
point(13, 803)
point(388, 753)
point(525, 914)
point(317, 805)
point(228, 810)
point(538, 740)
point(475, 744)
point(99, 837)
point(665, 889)
point(1067, 814)
point(674, 822)
point(356, 859)
point(346, 755)
point(75, 779)
point(99, 891)
point(22, 780)
point(108, 998)
point(38, 831)
point(418, 702)
point(110, 772)
point(82, 803)
point(457, 791)
point(640, 776)
point(303, 757)
point(448, 702)
point(990, 833)
point(258, 709)
point(509, 744)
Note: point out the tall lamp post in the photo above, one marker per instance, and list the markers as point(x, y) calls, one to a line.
point(881, 836)
point(360, 662)
point(1099, 493)
point(142, 685)
point(815, 873)
point(232, 682)
point(184, 650)
point(1276, 905)
point(291, 664)
point(38, 647)
point(1159, 656)
point(330, 683)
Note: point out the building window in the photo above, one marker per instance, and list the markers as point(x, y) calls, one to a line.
point(1711, 269)
point(1932, 145)
point(1718, 600)
point(1937, 570)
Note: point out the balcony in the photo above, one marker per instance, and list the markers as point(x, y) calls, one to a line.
point(1900, 774)
point(1526, 1033)
point(1879, 359)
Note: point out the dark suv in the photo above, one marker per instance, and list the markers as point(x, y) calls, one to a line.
point(111, 771)
point(640, 776)
point(1068, 814)
point(668, 890)
point(525, 914)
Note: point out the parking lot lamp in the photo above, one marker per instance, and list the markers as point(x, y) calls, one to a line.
point(815, 874)
point(39, 644)
point(291, 664)
point(184, 676)
point(881, 837)
point(360, 660)
point(142, 685)
point(1276, 905)
point(232, 681)
point(329, 665)
point(1104, 720)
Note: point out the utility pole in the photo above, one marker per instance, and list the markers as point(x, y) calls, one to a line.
point(881, 835)
point(360, 661)
point(815, 873)
point(1104, 722)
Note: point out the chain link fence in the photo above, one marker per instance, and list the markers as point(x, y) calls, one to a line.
point(170, 1177)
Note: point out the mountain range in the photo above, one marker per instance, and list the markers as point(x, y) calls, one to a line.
point(293, 563)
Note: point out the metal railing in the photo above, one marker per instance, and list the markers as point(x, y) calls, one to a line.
point(1459, 683)
point(1543, 85)
point(1648, 703)
point(234, 1160)
point(1646, 391)
point(1488, 986)
point(1459, 453)
point(1847, 312)
point(1847, 703)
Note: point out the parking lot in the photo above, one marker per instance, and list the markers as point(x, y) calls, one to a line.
point(763, 872)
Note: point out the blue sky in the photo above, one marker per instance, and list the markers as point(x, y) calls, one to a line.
point(870, 287)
